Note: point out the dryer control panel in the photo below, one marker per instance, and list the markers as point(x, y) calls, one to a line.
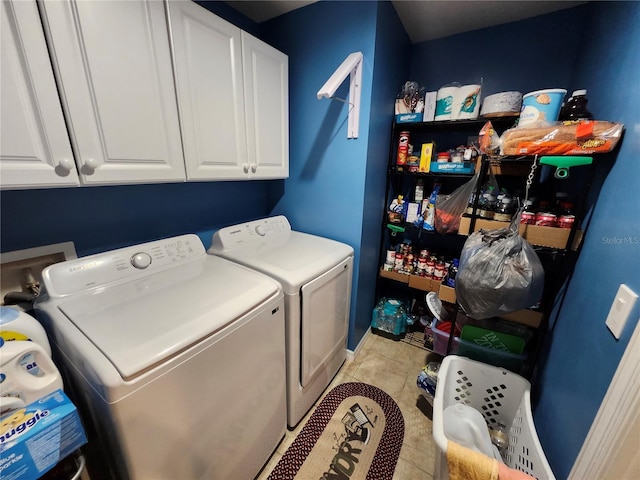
point(247, 233)
point(82, 274)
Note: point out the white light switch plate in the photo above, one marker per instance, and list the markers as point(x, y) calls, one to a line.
point(620, 310)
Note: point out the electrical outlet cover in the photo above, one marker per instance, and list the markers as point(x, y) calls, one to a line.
point(620, 310)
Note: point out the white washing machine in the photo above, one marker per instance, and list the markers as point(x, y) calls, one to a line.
point(175, 358)
point(315, 274)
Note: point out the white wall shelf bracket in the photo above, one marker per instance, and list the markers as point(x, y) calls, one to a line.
point(352, 68)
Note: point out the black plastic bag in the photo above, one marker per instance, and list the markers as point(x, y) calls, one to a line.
point(499, 272)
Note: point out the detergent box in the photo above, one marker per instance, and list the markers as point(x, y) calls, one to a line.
point(33, 439)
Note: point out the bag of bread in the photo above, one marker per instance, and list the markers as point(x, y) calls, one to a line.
point(583, 137)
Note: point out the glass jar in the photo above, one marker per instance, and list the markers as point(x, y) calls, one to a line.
point(487, 206)
point(505, 210)
point(528, 216)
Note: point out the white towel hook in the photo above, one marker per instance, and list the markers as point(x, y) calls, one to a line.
point(351, 67)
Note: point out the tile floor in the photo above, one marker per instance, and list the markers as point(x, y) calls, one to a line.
point(392, 366)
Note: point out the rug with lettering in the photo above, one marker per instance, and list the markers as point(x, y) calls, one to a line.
point(355, 433)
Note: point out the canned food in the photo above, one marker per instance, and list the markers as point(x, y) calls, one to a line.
point(431, 267)
point(403, 149)
point(398, 262)
point(566, 221)
point(545, 219)
point(528, 218)
point(391, 256)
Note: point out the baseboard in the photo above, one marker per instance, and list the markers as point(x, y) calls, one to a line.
point(351, 354)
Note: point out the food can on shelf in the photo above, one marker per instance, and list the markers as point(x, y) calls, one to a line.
point(546, 219)
point(391, 256)
point(431, 267)
point(399, 261)
point(566, 221)
point(403, 148)
point(528, 218)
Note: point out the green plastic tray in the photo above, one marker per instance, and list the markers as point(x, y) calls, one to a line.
point(490, 339)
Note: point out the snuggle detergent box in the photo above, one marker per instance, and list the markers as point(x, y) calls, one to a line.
point(33, 439)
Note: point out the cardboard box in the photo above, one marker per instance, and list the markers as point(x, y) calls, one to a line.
point(447, 294)
point(413, 210)
point(429, 106)
point(525, 317)
point(552, 237)
point(424, 283)
point(452, 167)
point(35, 438)
point(398, 277)
point(408, 117)
point(426, 155)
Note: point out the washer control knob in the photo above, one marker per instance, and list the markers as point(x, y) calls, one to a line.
point(260, 230)
point(141, 260)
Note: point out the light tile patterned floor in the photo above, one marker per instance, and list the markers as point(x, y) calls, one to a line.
point(392, 366)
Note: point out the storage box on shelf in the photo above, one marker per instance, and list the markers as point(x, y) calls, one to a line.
point(426, 284)
point(552, 237)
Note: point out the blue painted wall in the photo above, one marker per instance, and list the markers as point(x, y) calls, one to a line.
point(391, 66)
point(334, 180)
point(525, 56)
point(583, 355)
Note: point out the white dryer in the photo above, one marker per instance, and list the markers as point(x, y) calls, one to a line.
point(315, 273)
point(175, 358)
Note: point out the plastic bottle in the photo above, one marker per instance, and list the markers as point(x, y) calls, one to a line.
point(466, 426)
point(453, 271)
point(18, 325)
point(576, 107)
point(418, 194)
point(27, 373)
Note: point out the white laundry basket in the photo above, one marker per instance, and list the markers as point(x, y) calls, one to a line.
point(501, 396)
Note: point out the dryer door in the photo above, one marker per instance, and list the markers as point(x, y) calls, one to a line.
point(325, 318)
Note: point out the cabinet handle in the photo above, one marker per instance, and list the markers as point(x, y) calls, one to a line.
point(66, 164)
point(254, 167)
point(90, 166)
point(245, 167)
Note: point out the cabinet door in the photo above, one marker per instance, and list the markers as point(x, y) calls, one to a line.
point(208, 65)
point(266, 87)
point(34, 145)
point(115, 77)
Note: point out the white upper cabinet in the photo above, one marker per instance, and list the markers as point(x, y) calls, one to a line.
point(208, 65)
point(232, 96)
point(266, 82)
point(34, 145)
point(115, 78)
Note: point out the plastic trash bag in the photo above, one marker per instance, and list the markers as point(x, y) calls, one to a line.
point(449, 211)
point(499, 272)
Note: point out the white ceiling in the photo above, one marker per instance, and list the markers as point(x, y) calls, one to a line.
point(427, 19)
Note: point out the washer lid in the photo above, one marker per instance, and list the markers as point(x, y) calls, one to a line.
point(293, 258)
point(139, 323)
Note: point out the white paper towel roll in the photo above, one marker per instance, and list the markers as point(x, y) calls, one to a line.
point(467, 103)
point(445, 101)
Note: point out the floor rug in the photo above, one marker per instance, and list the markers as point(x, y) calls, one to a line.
point(355, 433)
